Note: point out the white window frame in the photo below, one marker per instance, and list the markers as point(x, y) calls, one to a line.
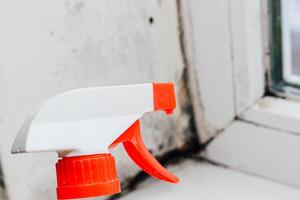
point(249, 128)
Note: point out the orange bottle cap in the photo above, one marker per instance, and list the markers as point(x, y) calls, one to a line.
point(86, 176)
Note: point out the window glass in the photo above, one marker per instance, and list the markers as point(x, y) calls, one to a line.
point(285, 44)
point(291, 40)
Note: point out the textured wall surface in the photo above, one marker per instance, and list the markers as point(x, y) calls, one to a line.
point(48, 47)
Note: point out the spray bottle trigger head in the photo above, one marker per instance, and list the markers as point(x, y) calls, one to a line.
point(136, 149)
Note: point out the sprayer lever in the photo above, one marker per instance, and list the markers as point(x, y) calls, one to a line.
point(136, 149)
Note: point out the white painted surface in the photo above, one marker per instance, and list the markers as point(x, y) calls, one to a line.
point(259, 150)
point(209, 57)
point(207, 182)
point(266, 143)
point(48, 47)
point(247, 52)
point(224, 48)
point(274, 112)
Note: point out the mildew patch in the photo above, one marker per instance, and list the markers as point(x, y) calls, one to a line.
point(75, 8)
point(3, 194)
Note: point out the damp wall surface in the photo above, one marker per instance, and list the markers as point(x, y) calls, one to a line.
point(48, 47)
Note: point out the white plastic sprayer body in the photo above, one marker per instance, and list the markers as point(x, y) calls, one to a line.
point(84, 121)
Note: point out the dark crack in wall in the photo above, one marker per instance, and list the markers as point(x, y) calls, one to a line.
point(3, 194)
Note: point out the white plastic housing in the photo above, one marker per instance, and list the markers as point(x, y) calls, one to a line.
point(67, 122)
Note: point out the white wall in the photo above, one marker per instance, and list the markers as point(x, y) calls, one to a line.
point(48, 47)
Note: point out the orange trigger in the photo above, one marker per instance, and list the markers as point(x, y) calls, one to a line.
point(136, 149)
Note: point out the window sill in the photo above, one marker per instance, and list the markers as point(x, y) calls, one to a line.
point(205, 181)
point(281, 114)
